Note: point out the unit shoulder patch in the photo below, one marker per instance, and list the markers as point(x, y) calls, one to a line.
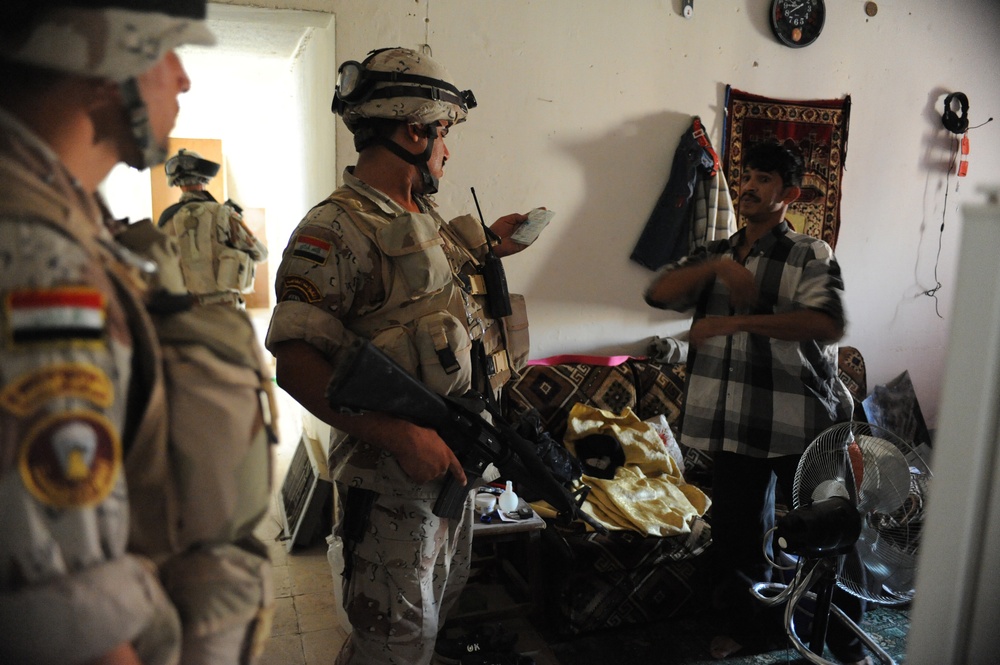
point(300, 289)
point(71, 459)
point(30, 391)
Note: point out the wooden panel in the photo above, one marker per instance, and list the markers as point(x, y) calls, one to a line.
point(164, 195)
point(260, 298)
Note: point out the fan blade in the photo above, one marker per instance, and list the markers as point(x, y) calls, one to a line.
point(885, 483)
point(893, 568)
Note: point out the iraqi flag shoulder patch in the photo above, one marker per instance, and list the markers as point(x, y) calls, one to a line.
point(55, 315)
point(312, 249)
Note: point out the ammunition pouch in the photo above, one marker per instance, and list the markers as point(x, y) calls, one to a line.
point(220, 587)
point(414, 245)
point(516, 329)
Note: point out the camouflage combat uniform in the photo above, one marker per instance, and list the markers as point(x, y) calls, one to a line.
point(103, 444)
point(359, 265)
point(69, 406)
point(109, 476)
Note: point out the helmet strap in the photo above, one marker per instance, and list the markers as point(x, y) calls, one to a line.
point(137, 113)
point(420, 159)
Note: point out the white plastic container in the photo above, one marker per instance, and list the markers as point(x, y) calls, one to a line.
point(508, 499)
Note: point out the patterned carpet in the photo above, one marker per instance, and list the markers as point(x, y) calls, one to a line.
point(680, 641)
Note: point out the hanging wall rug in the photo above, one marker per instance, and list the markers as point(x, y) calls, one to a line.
point(816, 128)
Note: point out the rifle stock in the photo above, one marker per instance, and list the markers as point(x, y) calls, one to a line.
point(368, 380)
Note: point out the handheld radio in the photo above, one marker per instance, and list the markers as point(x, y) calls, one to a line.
point(497, 295)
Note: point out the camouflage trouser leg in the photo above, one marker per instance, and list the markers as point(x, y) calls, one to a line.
point(408, 572)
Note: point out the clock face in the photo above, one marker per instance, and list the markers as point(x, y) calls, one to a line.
point(797, 23)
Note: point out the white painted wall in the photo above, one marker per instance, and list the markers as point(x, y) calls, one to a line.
point(581, 107)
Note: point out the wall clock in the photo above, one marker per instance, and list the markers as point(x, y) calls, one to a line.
point(797, 23)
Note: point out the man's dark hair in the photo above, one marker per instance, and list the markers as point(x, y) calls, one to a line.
point(774, 157)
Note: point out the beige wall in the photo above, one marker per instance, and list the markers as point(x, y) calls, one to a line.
point(581, 106)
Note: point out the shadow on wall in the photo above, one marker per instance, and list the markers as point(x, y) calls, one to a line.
point(624, 174)
point(940, 153)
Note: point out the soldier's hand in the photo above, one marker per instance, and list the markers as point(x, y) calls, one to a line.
point(426, 457)
point(504, 227)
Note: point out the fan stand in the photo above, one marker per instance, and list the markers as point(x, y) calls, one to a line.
point(819, 574)
point(827, 580)
point(849, 474)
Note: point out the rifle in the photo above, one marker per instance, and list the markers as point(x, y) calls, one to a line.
point(369, 380)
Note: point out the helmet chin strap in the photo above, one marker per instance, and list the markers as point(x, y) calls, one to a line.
point(150, 152)
point(430, 182)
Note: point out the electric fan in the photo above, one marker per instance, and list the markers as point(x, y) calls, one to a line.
point(858, 510)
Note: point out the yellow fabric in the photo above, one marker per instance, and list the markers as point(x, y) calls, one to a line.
point(648, 493)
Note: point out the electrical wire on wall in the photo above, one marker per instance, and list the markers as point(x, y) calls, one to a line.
point(932, 292)
point(957, 124)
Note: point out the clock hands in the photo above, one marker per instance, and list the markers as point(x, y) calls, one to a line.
point(794, 10)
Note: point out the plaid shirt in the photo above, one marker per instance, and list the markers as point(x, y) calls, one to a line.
point(755, 395)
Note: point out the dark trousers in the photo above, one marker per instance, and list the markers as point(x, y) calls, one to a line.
point(743, 500)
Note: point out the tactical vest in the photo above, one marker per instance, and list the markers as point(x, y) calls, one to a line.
point(433, 320)
point(210, 266)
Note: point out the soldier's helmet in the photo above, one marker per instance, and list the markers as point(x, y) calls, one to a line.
point(111, 39)
point(189, 168)
point(117, 40)
point(399, 84)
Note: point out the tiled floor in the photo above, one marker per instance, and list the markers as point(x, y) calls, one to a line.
point(306, 629)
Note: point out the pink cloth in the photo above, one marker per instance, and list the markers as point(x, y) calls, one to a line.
point(609, 361)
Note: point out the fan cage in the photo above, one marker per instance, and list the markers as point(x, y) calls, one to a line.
point(889, 491)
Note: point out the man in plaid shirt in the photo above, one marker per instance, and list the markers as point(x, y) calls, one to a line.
point(762, 379)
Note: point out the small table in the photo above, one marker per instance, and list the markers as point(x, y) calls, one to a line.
point(525, 534)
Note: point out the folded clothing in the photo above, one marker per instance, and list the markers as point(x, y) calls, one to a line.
point(647, 492)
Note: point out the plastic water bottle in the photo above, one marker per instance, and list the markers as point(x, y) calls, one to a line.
point(335, 557)
point(508, 499)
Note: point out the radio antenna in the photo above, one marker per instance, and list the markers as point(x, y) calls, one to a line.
point(490, 234)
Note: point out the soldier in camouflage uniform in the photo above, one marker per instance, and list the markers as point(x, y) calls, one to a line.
point(218, 251)
point(376, 260)
point(85, 472)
